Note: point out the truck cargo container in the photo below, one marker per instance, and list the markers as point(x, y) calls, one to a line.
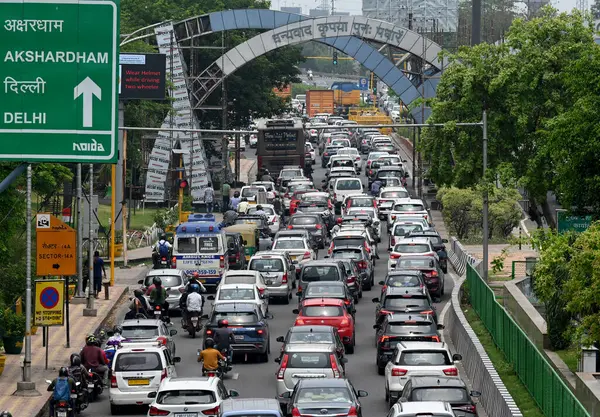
point(280, 142)
point(319, 101)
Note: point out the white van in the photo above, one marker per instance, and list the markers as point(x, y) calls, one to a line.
point(343, 187)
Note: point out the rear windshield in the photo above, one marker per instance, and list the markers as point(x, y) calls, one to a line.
point(208, 244)
point(185, 397)
point(361, 202)
point(414, 328)
point(251, 192)
point(308, 360)
point(337, 395)
point(266, 265)
point(303, 220)
point(322, 311)
point(366, 210)
point(140, 332)
point(313, 208)
point(324, 291)
point(394, 194)
point(289, 244)
point(320, 273)
point(186, 244)
point(414, 263)
point(389, 173)
point(451, 395)
point(404, 302)
point(299, 187)
point(311, 337)
point(240, 279)
point(408, 207)
point(268, 210)
point(138, 361)
point(404, 229)
point(424, 359)
point(403, 281)
point(379, 164)
point(291, 173)
point(348, 185)
point(342, 163)
point(411, 248)
point(393, 160)
point(236, 294)
point(236, 317)
point(349, 241)
point(347, 254)
point(167, 280)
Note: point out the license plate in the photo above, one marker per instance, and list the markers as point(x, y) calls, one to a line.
point(186, 414)
point(270, 282)
point(239, 337)
point(157, 313)
point(194, 319)
point(73, 395)
point(136, 382)
point(202, 280)
point(62, 414)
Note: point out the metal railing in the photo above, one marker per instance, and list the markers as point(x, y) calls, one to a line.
point(546, 387)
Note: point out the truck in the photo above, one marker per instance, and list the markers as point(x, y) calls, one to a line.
point(284, 92)
point(319, 101)
point(343, 98)
point(280, 142)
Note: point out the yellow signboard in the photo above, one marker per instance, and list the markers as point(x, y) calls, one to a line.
point(49, 302)
point(56, 250)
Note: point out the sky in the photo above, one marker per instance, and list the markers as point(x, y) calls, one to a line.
point(355, 6)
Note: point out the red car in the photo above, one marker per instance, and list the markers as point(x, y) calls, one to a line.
point(296, 199)
point(328, 312)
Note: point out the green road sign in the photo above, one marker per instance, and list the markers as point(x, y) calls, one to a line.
point(59, 80)
point(566, 222)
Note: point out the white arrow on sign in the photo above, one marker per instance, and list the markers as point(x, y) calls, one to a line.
point(88, 88)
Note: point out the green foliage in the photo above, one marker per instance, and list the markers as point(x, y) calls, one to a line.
point(298, 88)
point(48, 179)
point(459, 209)
point(166, 217)
point(13, 324)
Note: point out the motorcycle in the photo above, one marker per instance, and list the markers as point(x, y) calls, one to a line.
point(96, 385)
point(81, 398)
point(443, 257)
point(194, 324)
point(63, 408)
point(161, 261)
point(224, 366)
point(160, 314)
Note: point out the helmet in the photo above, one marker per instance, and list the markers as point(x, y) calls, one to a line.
point(118, 329)
point(75, 360)
point(259, 207)
point(236, 194)
point(63, 371)
point(157, 281)
point(194, 288)
point(223, 323)
point(163, 236)
point(91, 339)
point(138, 292)
point(196, 274)
point(338, 220)
point(209, 343)
point(5, 414)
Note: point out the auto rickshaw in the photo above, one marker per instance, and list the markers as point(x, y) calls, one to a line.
point(251, 236)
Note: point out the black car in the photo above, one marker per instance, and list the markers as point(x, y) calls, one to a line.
point(235, 250)
point(387, 172)
point(451, 390)
point(313, 335)
point(438, 245)
point(321, 270)
point(328, 289)
point(396, 327)
point(404, 300)
point(314, 223)
point(402, 279)
point(431, 269)
point(362, 260)
point(318, 207)
point(248, 325)
point(323, 396)
point(328, 152)
point(354, 279)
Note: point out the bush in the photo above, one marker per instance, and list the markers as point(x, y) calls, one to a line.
point(459, 209)
point(13, 324)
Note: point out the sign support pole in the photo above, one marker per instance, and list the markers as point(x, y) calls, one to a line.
point(68, 324)
point(90, 311)
point(47, 329)
point(124, 213)
point(485, 200)
point(80, 289)
point(113, 222)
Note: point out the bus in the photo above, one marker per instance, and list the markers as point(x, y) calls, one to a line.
point(280, 142)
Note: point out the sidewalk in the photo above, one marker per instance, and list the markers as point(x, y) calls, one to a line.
point(58, 353)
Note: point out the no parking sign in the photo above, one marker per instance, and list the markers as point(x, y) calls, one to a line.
point(49, 302)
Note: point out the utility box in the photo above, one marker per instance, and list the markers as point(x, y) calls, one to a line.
point(588, 361)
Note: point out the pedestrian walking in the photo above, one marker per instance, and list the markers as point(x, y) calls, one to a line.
point(99, 273)
point(209, 197)
point(225, 190)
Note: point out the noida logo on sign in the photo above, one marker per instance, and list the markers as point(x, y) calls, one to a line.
point(92, 146)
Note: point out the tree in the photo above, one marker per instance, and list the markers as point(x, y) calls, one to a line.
point(460, 209)
point(595, 9)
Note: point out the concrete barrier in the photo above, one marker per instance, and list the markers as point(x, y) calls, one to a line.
point(459, 257)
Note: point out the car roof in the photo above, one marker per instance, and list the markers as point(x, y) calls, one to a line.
point(234, 286)
point(410, 201)
point(403, 291)
point(407, 345)
point(144, 322)
point(326, 284)
point(311, 329)
point(181, 383)
point(322, 301)
point(350, 233)
point(413, 240)
point(245, 405)
point(234, 307)
point(323, 382)
point(164, 271)
point(392, 188)
point(393, 272)
point(267, 254)
point(321, 262)
point(396, 317)
point(241, 272)
point(308, 347)
point(342, 248)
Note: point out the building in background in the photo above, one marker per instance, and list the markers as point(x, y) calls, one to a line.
point(295, 10)
point(336, 13)
point(318, 12)
point(419, 15)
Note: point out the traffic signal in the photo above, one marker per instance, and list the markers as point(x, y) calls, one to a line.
point(335, 58)
point(182, 183)
point(375, 79)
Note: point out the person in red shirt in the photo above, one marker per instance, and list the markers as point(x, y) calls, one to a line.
point(94, 358)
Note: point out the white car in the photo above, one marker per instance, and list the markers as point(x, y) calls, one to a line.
point(245, 276)
point(137, 369)
point(421, 408)
point(420, 246)
point(386, 198)
point(189, 396)
point(401, 228)
point(253, 140)
point(297, 247)
point(231, 144)
point(251, 192)
point(308, 147)
point(407, 206)
point(272, 216)
point(241, 293)
point(354, 154)
point(343, 187)
point(418, 359)
point(372, 212)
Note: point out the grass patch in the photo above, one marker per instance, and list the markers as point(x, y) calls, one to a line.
point(139, 220)
point(570, 356)
point(515, 387)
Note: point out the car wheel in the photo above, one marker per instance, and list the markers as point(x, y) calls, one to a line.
point(380, 370)
point(368, 285)
point(114, 410)
point(349, 349)
point(286, 299)
point(356, 299)
point(360, 292)
point(387, 395)
point(264, 357)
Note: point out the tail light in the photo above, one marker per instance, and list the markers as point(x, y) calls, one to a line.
point(261, 291)
point(173, 262)
point(290, 227)
point(221, 262)
point(348, 204)
point(299, 322)
point(427, 312)
point(468, 408)
point(352, 412)
point(384, 288)
point(435, 339)
point(282, 367)
point(334, 367)
point(329, 205)
point(351, 280)
point(162, 341)
point(384, 341)
point(399, 372)
point(357, 158)
point(433, 274)
point(370, 172)
point(212, 412)
point(451, 372)
point(325, 154)
point(237, 256)
point(164, 258)
point(295, 412)
point(163, 374)
point(345, 322)
point(306, 255)
point(318, 227)
point(284, 279)
point(113, 381)
point(157, 412)
point(211, 374)
point(394, 256)
point(260, 331)
point(209, 332)
point(382, 312)
point(362, 264)
point(393, 241)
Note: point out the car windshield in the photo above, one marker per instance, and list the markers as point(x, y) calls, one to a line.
point(394, 194)
point(291, 173)
point(299, 187)
point(138, 361)
point(266, 265)
point(348, 185)
point(376, 155)
point(167, 280)
point(140, 332)
point(320, 273)
point(411, 248)
point(240, 279)
point(368, 210)
point(408, 207)
point(403, 281)
point(185, 397)
point(303, 220)
point(311, 337)
point(312, 208)
point(289, 244)
point(325, 291)
point(268, 210)
point(379, 164)
point(347, 254)
point(415, 263)
point(235, 317)
point(308, 360)
point(322, 311)
point(361, 202)
point(405, 302)
point(327, 395)
point(424, 359)
point(208, 244)
point(451, 395)
point(404, 229)
point(186, 244)
point(236, 294)
point(342, 163)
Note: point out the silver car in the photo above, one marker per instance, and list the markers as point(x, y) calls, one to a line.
point(148, 330)
point(278, 271)
point(173, 280)
point(307, 361)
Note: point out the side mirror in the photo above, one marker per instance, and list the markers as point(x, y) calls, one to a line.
point(172, 332)
point(457, 357)
point(280, 339)
point(444, 240)
point(176, 359)
point(286, 394)
point(296, 311)
point(441, 327)
point(344, 360)
point(152, 394)
point(269, 316)
point(475, 394)
point(375, 300)
point(362, 393)
point(233, 393)
point(389, 249)
point(277, 360)
point(141, 282)
point(376, 326)
point(381, 282)
point(211, 297)
point(204, 316)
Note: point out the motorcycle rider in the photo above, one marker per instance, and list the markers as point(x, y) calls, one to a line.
point(138, 305)
point(235, 200)
point(5, 414)
point(158, 296)
point(375, 187)
point(308, 169)
point(194, 280)
point(210, 357)
point(62, 388)
point(194, 301)
point(223, 337)
point(94, 358)
point(162, 249)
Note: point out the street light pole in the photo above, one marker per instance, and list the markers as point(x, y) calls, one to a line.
point(485, 200)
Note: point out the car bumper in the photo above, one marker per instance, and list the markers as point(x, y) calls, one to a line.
point(394, 385)
point(353, 288)
point(392, 264)
point(346, 332)
point(279, 291)
point(282, 388)
point(117, 397)
point(274, 228)
point(250, 347)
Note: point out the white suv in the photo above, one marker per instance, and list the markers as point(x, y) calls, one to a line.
point(421, 408)
point(412, 359)
point(420, 246)
point(137, 370)
point(189, 396)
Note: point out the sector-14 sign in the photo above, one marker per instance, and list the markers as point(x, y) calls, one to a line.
point(58, 74)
